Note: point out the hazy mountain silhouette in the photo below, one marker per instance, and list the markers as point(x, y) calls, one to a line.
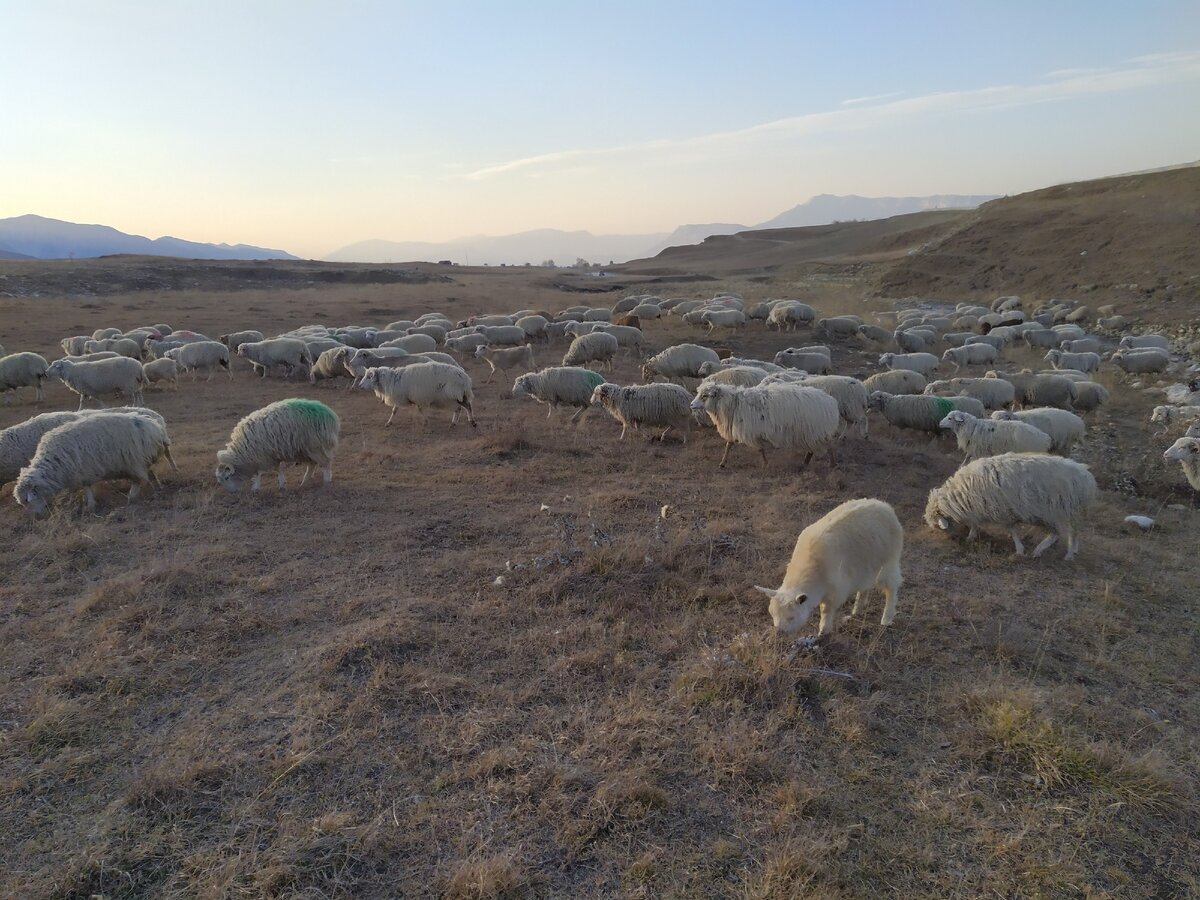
point(826, 208)
point(42, 238)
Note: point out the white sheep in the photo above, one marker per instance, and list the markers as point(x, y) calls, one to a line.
point(1166, 416)
point(924, 363)
point(568, 385)
point(627, 336)
point(1138, 362)
point(356, 362)
point(466, 343)
point(19, 442)
point(92, 448)
point(101, 334)
point(678, 362)
point(790, 315)
point(290, 353)
point(235, 339)
point(199, 355)
point(92, 380)
point(911, 341)
point(18, 370)
point(294, 431)
point(1089, 395)
point(73, 346)
point(838, 326)
point(503, 335)
point(1144, 342)
point(987, 437)
point(412, 343)
point(783, 416)
point(647, 311)
point(596, 347)
point(1186, 452)
point(534, 326)
point(504, 358)
point(1034, 389)
point(724, 318)
point(1012, 490)
point(993, 393)
point(122, 345)
point(807, 359)
point(921, 412)
point(431, 385)
point(429, 329)
point(664, 406)
point(970, 355)
point(1064, 428)
point(850, 393)
point(896, 381)
point(850, 550)
point(1090, 344)
point(873, 334)
point(739, 376)
point(161, 370)
point(1083, 362)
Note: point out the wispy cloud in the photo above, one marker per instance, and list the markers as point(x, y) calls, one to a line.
point(867, 112)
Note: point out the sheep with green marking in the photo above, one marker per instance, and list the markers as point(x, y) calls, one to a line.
point(293, 431)
point(921, 412)
point(560, 385)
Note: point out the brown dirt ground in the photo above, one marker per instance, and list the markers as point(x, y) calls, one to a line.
point(322, 693)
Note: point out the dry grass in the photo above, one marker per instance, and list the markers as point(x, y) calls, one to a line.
point(324, 694)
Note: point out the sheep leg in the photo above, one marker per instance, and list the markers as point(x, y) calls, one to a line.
point(466, 404)
point(1015, 531)
point(304, 478)
point(623, 427)
point(390, 417)
point(972, 533)
point(90, 499)
point(858, 599)
point(327, 474)
point(725, 455)
point(807, 459)
point(1072, 544)
point(827, 621)
point(256, 482)
point(662, 437)
point(1048, 542)
point(80, 403)
point(550, 412)
point(171, 460)
point(282, 479)
point(891, 592)
point(38, 389)
point(135, 488)
point(763, 451)
point(578, 413)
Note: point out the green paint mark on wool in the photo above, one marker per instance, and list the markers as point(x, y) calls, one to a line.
point(312, 410)
point(944, 406)
point(594, 379)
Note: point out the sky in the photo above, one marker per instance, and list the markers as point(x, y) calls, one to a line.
point(309, 125)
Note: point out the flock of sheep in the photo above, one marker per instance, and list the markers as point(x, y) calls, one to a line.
point(1015, 429)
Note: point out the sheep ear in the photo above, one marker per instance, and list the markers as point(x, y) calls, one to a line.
point(943, 523)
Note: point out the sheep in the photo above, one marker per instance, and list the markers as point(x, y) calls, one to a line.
point(998, 341)
point(679, 361)
point(1033, 389)
point(432, 384)
point(534, 326)
point(355, 362)
point(19, 442)
point(1144, 342)
point(1012, 490)
point(790, 315)
point(659, 405)
point(161, 370)
point(288, 431)
point(896, 381)
point(235, 339)
point(724, 318)
point(99, 354)
point(970, 355)
point(873, 334)
point(1089, 396)
point(153, 349)
point(1084, 362)
point(1081, 345)
point(202, 355)
point(331, 363)
point(503, 335)
point(569, 385)
point(633, 320)
point(430, 329)
point(91, 448)
point(73, 346)
point(1042, 339)
point(1166, 416)
point(727, 361)
point(625, 304)
point(121, 345)
point(1113, 323)
point(626, 336)
point(1186, 451)
point(291, 353)
point(91, 380)
point(850, 550)
point(850, 393)
point(18, 370)
point(411, 343)
point(432, 318)
point(595, 347)
point(924, 363)
point(101, 334)
point(838, 326)
point(740, 376)
point(993, 393)
point(466, 343)
point(504, 358)
point(1064, 428)
point(987, 437)
point(1137, 362)
point(399, 325)
point(358, 338)
point(921, 411)
point(807, 360)
point(778, 415)
point(433, 356)
point(910, 341)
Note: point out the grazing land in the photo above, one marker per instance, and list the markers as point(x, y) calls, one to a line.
point(528, 660)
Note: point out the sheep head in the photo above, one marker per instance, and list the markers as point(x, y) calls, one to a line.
point(791, 608)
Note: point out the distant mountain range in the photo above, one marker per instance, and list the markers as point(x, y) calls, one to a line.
point(564, 247)
point(36, 237)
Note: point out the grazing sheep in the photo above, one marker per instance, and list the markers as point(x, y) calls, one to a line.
point(993, 393)
point(358, 338)
point(1166, 416)
point(873, 334)
point(627, 336)
point(850, 393)
point(429, 329)
point(970, 355)
point(92, 380)
point(18, 370)
point(290, 353)
point(1139, 362)
point(911, 341)
point(782, 416)
point(1186, 451)
point(595, 347)
point(838, 326)
point(739, 376)
point(896, 381)
point(434, 385)
point(295, 431)
point(1144, 342)
point(1012, 490)
point(202, 355)
point(534, 326)
point(724, 318)
point(19, 442)
point(161, 370)
point(1045, 338)
point(1083, 362)
point(504, 358)
point(235, 339)
point(924, 363)
point(987, 437)
point(1113, 323)
point(329, 364)
point(633, 320)
point(569, 385)
point(920, 412)
point(466, 343)
point(1032, 389)
point(850, 550)
point(1064, 428)
point(121, 345)
point(660, 405)
point(356, 362)
point(789, 315)
point(411, 343)
point(1081, 345)
point(503, 335)
point(1089, 396)
point(679, 361)
point(103, 334)
point(73, 346)
point(91, 448)
point(805, 359)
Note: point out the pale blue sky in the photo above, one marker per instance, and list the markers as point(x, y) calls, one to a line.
point(311, 125)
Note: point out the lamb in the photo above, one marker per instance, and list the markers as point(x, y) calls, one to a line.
point(411, 343)
point(970, 355)
point(1113, 323)
point(18, 370)
point(987, 437)
point(1084, 362)
point(94, 447)
point(122, 345)
point(808, 360)
point(503, 335)
point(1064, 428)
point(724, 318)
point(1137, 362)
point(595, 347)
point(1016, 489)
point(993, 393)
point(680, 361)
point(290, 353)
point(896, 381)
point(1166, 416)
point(432, 384)
point(569, 385)
point(1186, 451)
point(161, 370)
point(288, 431)
point(920, 412)
point(202, 355)
point(235, 339)
point(1144, 342)
point(1081, 345)
point(924, 363)
point(659, 405)
point(504, 358)
point(850, 550)
point(850, 393)
point(778, 415)
point(91, 380)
